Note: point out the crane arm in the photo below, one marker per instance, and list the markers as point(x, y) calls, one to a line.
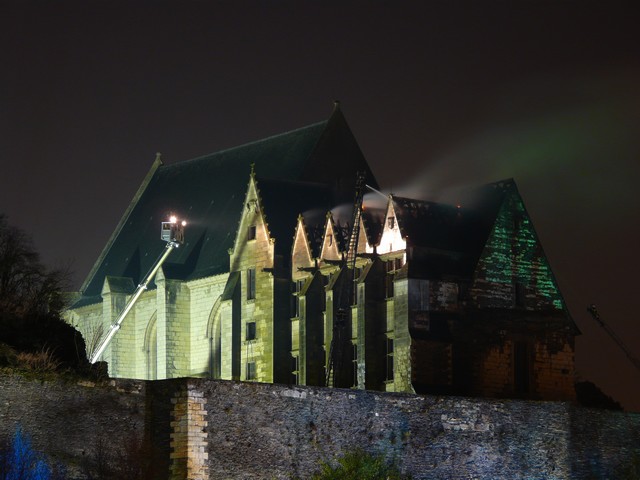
point(596, 316)
point(173, 233)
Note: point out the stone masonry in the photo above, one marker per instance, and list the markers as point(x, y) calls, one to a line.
point(205, 429)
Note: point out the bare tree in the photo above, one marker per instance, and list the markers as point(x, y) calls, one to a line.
point(32, 300)
point(26, 286)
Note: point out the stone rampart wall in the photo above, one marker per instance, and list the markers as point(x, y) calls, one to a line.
point(77, 425)
point(201, 429)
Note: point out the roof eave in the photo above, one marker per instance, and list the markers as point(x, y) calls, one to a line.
point(157, 163)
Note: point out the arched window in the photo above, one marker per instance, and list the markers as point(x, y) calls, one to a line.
point(151, 349)
point(214, 336)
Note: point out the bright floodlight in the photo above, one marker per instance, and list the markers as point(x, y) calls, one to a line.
point(172, 231)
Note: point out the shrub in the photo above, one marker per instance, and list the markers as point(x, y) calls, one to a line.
point(42, 361)
point(360, 465)
point(8, 356)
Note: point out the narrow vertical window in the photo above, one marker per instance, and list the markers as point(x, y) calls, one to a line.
point(389, 277)
point(392, 222)
point(251, 234)
point(298, 286)
point(354, 359)
point(521, 366)
point(295, 372)
point(323, 293)
point(354, 293)
point(389, 358)
point(398, 263)
point(251, 331)
point(251, 284)
point(251, 371)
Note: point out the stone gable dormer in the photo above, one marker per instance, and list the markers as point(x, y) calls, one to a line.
point(392, 239)
point(330, 249)
point(301, 256)
point(252, 237)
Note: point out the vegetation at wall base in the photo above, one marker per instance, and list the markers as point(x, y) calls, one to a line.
point(359, 465)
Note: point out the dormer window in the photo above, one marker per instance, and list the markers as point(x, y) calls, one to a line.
point(251, 234)
point(391, 222)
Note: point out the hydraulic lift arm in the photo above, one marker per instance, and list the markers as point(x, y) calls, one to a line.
point(596, 316)
point(171, 232)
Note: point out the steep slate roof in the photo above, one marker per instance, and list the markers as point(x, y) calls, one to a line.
point(209, 192)
point(283, 201)
point(451, 237)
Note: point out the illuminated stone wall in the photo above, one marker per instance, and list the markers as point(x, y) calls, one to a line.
point(167, 334)
point(205, 429)
point(78, 425)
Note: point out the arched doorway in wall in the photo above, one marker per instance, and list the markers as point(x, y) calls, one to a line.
point(214, 336)
point(151, 349)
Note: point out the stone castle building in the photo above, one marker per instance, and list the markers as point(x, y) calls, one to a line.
point(445, 299)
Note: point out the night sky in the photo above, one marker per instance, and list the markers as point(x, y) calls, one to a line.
point(439, 95)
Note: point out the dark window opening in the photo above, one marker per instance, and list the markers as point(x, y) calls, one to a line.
point(298, 285)
point(251, 284)
point(389, 285)
point(354, 359)
point(251, 331)
point(398, 263)
point(323, 293)
point(354, 294)
point(389, 358)
point(521, 367)
point(251, 370)
point(251, 235)
point(295, 370)
point(392, 222)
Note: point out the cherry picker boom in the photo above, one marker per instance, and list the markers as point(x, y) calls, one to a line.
point(171, 232)
point(596, 316)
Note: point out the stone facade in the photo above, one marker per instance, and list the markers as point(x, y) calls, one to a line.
point(444, 299)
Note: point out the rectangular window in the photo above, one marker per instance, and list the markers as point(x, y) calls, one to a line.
point(251, 371)
point(392, 222)
point(251, 234)
point(521, 366)
point(389, 358)
point(297, 287)
point(354, 359)
point(251, 331)
point(295, 370)
point(251, 284)
point(389, 278)
point(296, 305)
point(323, 293)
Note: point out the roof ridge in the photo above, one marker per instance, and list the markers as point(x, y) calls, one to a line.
point(244, 145)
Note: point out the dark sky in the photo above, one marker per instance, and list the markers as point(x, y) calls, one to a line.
point(438, 94)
